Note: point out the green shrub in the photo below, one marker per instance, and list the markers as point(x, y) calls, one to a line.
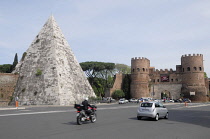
point(23, 56)
point(38, 72)
point(118, 94)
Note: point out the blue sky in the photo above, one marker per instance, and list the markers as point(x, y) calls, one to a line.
point(112, 30)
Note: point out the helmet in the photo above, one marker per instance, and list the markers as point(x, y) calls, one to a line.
point(86, 98)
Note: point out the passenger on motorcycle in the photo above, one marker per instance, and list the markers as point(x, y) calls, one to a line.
point(85, 107)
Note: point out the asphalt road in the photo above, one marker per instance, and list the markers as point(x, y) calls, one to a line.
point(114, 122)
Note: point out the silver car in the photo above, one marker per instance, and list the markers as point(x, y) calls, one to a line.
point(152, 109)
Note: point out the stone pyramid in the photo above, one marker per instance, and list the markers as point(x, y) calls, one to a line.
point(49, 73)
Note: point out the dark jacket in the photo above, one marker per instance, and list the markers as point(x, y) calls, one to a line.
point(85, 104)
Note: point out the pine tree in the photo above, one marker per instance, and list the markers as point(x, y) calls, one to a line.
point(15, 62)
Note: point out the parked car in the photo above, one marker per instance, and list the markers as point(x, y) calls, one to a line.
point(187, 100)
point(133, 100)
point(172, 100)
point(145, 100)
point(123, 101)
point(152, 109)
point(157, 100)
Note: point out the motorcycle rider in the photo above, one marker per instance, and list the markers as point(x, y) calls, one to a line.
point(85, 107)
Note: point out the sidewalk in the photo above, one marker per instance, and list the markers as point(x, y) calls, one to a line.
point(12, 108)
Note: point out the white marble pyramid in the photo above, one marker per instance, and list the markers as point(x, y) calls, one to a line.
point(50, 73)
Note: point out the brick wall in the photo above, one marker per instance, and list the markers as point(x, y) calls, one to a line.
point(117, 85)
point(7, 86)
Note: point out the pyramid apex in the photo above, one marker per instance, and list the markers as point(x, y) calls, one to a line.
point(51, 19)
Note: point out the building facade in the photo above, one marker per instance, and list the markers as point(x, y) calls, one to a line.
point(187, 81)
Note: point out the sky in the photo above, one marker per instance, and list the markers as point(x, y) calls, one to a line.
point(112, 30)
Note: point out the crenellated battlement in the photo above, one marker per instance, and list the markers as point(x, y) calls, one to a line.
point(159, 71)
point(139, 58)
point(192, 55)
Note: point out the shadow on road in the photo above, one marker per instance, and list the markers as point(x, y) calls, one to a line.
point(75, 123)
point(144, 119)
point(70, 123)
point(195, 117)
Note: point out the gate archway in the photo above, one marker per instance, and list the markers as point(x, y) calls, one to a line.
point(165, 94)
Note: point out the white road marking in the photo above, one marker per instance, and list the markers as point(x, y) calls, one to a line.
point(32, 113)
point(24, 110)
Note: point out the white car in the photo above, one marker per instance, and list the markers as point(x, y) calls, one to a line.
point(123, 101)
point(126, 101)
point(133, 100)
point(152, 109)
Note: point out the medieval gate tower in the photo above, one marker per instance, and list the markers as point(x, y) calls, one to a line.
point(140, 77)
point(193, 77)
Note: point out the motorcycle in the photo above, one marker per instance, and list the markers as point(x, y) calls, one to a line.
point(82, 117)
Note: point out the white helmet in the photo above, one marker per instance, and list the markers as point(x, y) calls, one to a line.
point(86, 98)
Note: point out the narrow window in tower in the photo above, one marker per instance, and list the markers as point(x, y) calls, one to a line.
point(200, 68)
point(138, 69)
point(172, 80)
point(158, 80)
point(195, 68)
point(183, 69)
point(188, 68)
point(143, 69)
point(133, 70)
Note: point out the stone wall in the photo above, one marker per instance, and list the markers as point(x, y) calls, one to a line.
point(117, 85)
point(173, 90)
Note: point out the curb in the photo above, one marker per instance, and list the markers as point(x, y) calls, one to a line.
point(15, 108)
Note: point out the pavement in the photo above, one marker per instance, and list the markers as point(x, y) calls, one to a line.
point(11, 108)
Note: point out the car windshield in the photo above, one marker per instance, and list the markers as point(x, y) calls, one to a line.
point(146, 105)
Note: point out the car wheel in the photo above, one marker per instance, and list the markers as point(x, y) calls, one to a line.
point(156, 117)
point(167, 115)
point(139, 117)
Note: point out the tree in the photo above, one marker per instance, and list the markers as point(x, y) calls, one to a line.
point(6, 68)
point(100, 75)
point(125, 69)
point(126, 86)
point(15, 62)
point(23, 56)
point(205, 75)
point(118, 94)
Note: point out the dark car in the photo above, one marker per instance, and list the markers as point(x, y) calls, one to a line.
point(187, 100)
